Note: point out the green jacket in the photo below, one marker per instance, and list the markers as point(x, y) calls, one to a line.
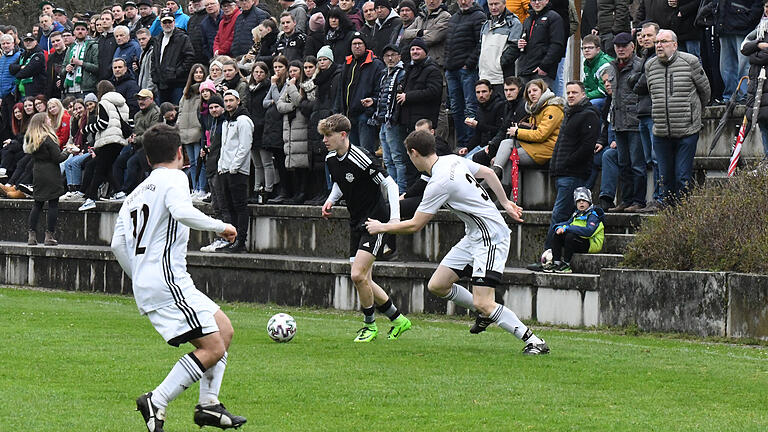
point(592, 70)
point(90, 67)
point(143, 120)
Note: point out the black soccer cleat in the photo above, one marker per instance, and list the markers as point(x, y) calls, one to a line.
point(153, 416)
point(536, 349)
point(481, 323)
point(218, 416)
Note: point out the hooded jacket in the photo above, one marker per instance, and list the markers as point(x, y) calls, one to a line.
point(386, 32)
point(545, 38)
point(48, 181)
point(32, 76)
point(176, 61)
point(145, 68)
point(236, 139)
point(433, 28)
point(112, 108)
point(243, 40)
point(575, 145)
point(499, 53)
point(587, 224)
point(359, 80)
point(546, 117)
point(423, 87)
point(298, 11)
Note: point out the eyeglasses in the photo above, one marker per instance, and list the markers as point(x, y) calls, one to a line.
point(538, 1)
point(662, 41)
point(587, 48)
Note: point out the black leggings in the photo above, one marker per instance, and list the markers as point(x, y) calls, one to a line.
point(53, 213)
point(102, 168)
point(565, 245)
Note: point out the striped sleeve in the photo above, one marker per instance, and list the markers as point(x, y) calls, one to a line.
point(101, 123)
point(374, 171)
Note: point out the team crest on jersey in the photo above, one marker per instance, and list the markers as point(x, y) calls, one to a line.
point(350, 177)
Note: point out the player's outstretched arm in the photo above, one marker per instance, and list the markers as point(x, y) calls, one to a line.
point(180, 206)
point(405, 227)
point(120, 248)
point(512, 209)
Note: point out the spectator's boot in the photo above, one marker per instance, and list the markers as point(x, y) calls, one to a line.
point(498, 171)
point(49, 240)
point(32, 238)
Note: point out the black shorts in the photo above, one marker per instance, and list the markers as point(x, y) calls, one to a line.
point(373, 244)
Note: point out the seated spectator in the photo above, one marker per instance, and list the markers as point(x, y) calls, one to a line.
point(78, 145)
point(488, 119)
point(582, 233)
point(41, 103)
point(60, 121)
point(125, 84)
point(595, 62)
point(514, 112)
point(12, 152)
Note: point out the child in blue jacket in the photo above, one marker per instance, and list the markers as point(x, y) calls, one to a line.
point(583, 232)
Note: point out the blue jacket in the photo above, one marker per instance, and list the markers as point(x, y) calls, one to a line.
point(209, 28)
point(130, 52)
point(244, 23)
point(7, 81)
point(44, 42)
point(387, 108)
point(181, 22)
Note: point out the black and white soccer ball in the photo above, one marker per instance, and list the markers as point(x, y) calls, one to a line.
point(281, 327)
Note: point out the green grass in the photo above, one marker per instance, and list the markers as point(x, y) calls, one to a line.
point(76, 362)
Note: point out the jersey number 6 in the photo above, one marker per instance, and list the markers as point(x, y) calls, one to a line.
point(483, 193)
point(135, 218)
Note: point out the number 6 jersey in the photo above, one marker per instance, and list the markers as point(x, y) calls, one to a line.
point(454, 186)
point(151, 234)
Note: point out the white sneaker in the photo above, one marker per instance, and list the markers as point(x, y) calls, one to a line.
point(2, 172)
point(88, 205)
point(119, 196)
point(77, 196)
point(219, 242)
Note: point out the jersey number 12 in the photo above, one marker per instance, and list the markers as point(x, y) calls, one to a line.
point(135, 218)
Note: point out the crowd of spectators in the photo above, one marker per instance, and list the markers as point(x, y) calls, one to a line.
point(246, 88)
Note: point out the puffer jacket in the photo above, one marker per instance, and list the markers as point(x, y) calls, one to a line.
point(46, 173)
point(7, 81)
point(624, 106)
point(247, 20)
point(758, 59)
point(499, 53)
point(387, 109)
point(295, 140)
point(545, 38)
point(236, 138)
point(575, 146)
point(172, 72)
point(519, 8)
point(434, 30)
point(592, 70)
point(679, 89)
point(195, 32)
point(613, 16)
point(462, 45)
point(639, 83)
point(423, 85)
point(545, 118)
point(737, 17)
point(190, 130)
point(114, 105)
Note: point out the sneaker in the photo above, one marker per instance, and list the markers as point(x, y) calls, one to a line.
point(399, 326)
point(154, 417)
point(219, 242)
point(89, 204)
point(367, 333)
point(537, 267)
point(119, 196)
point(218, 416)
point(481, 323)
point(536, 349)
point(563, 267)
point(78, 196)
point(224, 247)
point(26, 188)
point(549, 267)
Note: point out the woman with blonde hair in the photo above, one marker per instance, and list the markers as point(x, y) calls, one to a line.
point(60, 120)
point(41, 142)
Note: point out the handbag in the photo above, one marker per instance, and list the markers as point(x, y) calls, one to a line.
point(125, 127)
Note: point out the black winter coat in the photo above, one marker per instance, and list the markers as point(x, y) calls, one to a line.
point(209, 27)
point(315, 41)
point(340, 42)
point(268, 48)
point(386, 34)
point(545, 42)
point(127, 87)
point(195, 32)
point(292, 47)
point(48, 181)
point(758, 59)
point(107, 48)
point(639, 83)
point(423, 86)
point(490, 116)
point(514, 112)
point(34, 68)
point(359, 80)
point(177, 61)
point(575, 145)
point(737, 17)
point(613, 16)
point(253, 102)
point(53, 70)
point(588, 17)
point(247, 20)
point(462, 47)
point(327, 82)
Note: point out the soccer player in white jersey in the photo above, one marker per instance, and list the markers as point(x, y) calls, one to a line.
point(482, 253)
point(150, 243)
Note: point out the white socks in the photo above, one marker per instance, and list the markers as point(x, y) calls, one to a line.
point(509, 321)
point(185, 372)
point(211, 383)
point(461, 296)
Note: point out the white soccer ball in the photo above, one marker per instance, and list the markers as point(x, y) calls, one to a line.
point(546, 257)
point(281, 327)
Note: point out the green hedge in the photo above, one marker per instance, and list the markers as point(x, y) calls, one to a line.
point(717, 228)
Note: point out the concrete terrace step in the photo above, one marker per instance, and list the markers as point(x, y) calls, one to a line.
point(593, 263)
point(616, 243)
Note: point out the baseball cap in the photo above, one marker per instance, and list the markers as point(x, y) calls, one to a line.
point(232, 92)
point(80, 24)
point(129, 3)
point(167, 15)
point(145, 93)
point(59, 10)
point(29, 36)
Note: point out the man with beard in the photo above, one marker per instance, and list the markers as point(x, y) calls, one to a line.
point(47, 26)
point(171, 60)
point(132, 17)
point(146, 15)
point(490, 113)
point(81, 64)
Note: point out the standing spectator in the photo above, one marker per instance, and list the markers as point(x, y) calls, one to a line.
point(81, 64)
point(222, 43)
point(358, 92)
point(595, 62)
point(422, 87)
point(147, 43)
point(369, 19)
point(542, 43)
point(132, 18)
point(190, 129)
point(235, 167)
point(195, 29)
point(29, 70)
point(127, 49)
point(212, 147)
point(119, 14)
point(462, 50)
point(10, 54)
point(146, 14)
point(180, 18)
point(210, 26)
point(40, 141)
point(733, 21)
point(68, 37)
point(295, 142)
point(392, 133)
point(498, 51)
point(338, 35)
point(251, 16)
point(755, 47)
point(109, 139)
point(679, 89)
point(272, 139)
point(60, 16)
point(291, 42)
point(107, 45)
point(353, 13)
point(408, 11)
point(388, 25)
point(232, 78)
point(47, 26)
point(54, 65)
point(60, 121)
point(298, 10)
point(613, 18)
point(253, 101)
point(433, 29)
point(625, 124)
point(521, 7)
point(125, 84)
point(171, 60)
point(316, 35)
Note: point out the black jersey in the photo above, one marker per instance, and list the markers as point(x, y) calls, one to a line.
point(359, 179)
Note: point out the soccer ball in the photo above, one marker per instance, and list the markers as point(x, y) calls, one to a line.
point(546, 257)
point(281, 327)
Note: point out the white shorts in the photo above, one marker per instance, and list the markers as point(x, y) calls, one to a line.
point(186, 320)
point(484, 264)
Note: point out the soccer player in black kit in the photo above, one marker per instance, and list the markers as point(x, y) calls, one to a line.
point(358, 179)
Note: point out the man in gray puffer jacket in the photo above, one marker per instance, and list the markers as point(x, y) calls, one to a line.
point(679, 89)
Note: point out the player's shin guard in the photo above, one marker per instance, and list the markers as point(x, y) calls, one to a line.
point(461, 296)
point(210, 384)
point(509, 321)
point(185, 372)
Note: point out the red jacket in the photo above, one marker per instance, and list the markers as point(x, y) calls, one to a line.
point(63, 131)
point(223, 41)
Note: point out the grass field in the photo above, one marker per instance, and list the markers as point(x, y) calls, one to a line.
point(76, 362)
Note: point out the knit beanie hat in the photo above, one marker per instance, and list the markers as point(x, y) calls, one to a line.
point(410, 5)
point(216, 99)
point(384, 3)
point(419, 42)
point(326, 52)
point(90, 97)
point(358, 35)
point(317, 22)
point(208, 85)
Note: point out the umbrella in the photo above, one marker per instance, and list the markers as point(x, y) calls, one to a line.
point(515, 158)
point(742, 135)
point(724, 119)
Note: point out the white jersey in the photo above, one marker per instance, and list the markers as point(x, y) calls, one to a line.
point(454, 186)
point(151, 235)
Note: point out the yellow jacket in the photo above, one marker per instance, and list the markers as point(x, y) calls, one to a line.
point(545, 119)
point(519, 8)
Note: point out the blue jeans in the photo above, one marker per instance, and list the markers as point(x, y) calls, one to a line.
point(598, 103)
point(632, 168)
point(675, 164)
point(362, 134)
point(646, 136)
point(558, 86)
point(610, 173)
point(462, 100)
point(73, 169)
point(691, 47)
point(733, 65)
point(393, 150)
point(564, 204)
point(199, 182)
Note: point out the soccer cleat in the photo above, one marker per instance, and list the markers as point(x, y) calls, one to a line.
point(481, 323)
point(154, 417)
point(217, 416)
point(400, 325)
point(536, 349)
point(367, 333)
